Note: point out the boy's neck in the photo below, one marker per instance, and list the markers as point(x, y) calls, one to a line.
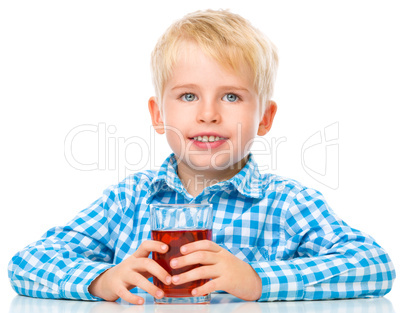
point(195, 181)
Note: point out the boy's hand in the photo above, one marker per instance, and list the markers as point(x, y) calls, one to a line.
point(228, 272)
point(134, 271)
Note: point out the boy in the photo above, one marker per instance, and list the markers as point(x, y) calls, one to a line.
point(273, 239)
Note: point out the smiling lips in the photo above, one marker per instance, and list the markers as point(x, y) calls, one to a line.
point(208, 138)
point(208, 141)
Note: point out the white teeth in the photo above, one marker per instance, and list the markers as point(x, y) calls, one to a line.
point(208, 138)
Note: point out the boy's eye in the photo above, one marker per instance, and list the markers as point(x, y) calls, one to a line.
point(188, 97)
point(230, 97)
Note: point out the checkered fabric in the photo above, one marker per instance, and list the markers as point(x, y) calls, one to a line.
point(285, 231)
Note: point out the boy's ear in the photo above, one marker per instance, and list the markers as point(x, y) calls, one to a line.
point(267, 119)
point(156, 116)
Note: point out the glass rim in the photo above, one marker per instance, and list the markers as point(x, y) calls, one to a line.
point(181, 216)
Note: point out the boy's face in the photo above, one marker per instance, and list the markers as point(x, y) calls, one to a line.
point(210, 114)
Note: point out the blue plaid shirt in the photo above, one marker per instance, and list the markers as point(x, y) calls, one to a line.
point(285, 231)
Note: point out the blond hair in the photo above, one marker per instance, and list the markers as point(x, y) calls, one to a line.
point(228, 38)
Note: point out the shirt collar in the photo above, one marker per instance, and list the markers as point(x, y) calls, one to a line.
point(248, 181)
point(167, 177)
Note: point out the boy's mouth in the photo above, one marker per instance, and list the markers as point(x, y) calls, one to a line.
point(207, 138)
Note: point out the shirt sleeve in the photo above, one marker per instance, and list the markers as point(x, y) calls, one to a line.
point(64, 262)
point(324, 258)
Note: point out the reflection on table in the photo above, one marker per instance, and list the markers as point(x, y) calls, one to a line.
point(220, 303)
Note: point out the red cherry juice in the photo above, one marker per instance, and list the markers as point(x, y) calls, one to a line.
point(175, 239)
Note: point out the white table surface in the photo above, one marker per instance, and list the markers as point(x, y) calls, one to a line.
point(221, 303)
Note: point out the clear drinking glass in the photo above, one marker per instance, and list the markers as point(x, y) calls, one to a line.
point(177, 225)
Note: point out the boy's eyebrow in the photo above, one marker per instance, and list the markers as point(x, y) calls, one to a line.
point(230, 87)
point(238, 88)
point(184, 86)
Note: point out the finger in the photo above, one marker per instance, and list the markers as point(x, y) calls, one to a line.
point(198, 257)
point(147, 265)
point(148, 246)
point(126, 295)
point(140, 281)
point(207, 288)
point(200, 245)
point(202, 272)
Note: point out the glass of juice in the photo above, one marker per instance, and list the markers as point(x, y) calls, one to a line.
point(177, 225)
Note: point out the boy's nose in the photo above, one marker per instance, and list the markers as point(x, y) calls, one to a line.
point(208, 113)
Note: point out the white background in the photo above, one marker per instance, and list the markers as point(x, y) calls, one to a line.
point(69, 63)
